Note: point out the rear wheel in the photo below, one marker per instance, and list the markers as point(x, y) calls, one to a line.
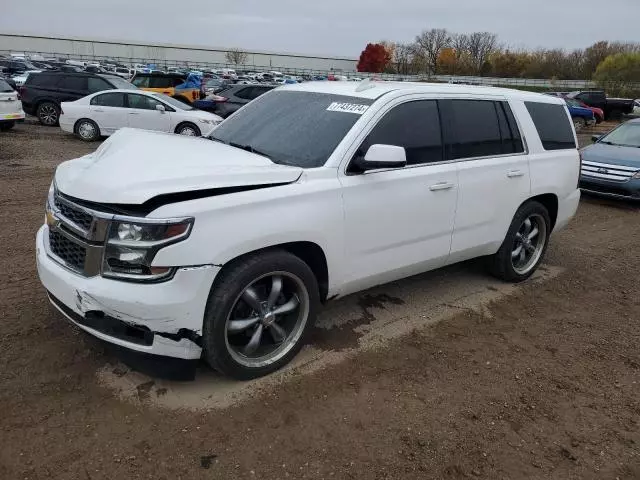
point(525, 244)
point(4, 126)
point(87, 130)
point(579, 123)
point(259, 314)
point(188, 129)
point(48, 114)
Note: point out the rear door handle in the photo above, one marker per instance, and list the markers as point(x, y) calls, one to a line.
point(515, 173)
point(441, 186)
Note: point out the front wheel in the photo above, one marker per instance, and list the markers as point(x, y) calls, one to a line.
point(188, 129)
point(259, 313)
point(525, 244)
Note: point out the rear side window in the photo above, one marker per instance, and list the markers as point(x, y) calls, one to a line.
point(74, 83)
point(412, 125)
point(97, 85)
point(160, 82)
point(141, 82)
point(246, 93)
point(552, 124)
point(109, 100)
point(42, 80)
point(511, 140)
point(476, 129)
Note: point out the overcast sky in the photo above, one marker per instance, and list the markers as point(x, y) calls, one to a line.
point(325, 27)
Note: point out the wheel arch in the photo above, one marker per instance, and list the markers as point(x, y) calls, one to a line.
point(309, 252)
point(550, 202)
point(186, 122)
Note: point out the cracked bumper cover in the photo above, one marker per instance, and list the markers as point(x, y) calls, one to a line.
point(171, 313)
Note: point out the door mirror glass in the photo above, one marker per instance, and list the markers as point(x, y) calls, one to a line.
point(160, 108)
point(383, 156)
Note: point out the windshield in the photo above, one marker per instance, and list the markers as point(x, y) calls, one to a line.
point(626, 135)
point(5, 87)
point(293, 128)
point(173, 102)
point(119, 82)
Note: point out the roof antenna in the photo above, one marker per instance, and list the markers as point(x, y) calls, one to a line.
point(365, 84)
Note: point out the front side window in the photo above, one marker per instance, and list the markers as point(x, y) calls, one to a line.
point(115, 99)
point(292, 127)
point(553, 125)
point(97, 85)
point(415, 126)
point(142, 102)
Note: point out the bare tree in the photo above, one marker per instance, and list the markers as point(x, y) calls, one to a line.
point(481, 45)
point(236, 56)
point(402, 54)
point(430, 44)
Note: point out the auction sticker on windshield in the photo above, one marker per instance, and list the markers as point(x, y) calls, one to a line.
point(347, 108)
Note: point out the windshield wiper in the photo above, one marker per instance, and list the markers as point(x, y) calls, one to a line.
point(249, 148)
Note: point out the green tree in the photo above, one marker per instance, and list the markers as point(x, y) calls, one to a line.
point(620, 74)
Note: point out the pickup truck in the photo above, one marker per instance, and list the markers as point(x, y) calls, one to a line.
point(613, 107)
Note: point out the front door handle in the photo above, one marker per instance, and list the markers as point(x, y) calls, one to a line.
point(515, 173)
point(441, 186)
point(98, 110)
point(134, 113)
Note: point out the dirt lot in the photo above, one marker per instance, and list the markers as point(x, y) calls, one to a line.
point(541, 384)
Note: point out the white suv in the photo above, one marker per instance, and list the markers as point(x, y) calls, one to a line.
point(226, 247)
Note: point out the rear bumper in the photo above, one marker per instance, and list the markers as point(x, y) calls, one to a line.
point(12, 117)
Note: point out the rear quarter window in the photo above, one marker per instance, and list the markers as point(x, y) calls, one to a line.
point(553, 125)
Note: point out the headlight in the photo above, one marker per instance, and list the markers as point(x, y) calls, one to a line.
point(133, 244)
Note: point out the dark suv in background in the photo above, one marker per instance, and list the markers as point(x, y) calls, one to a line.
point(234, 97)
point(43, 92)
point(16, 66)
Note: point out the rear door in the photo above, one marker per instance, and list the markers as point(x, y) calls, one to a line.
point(71, 88)
point(484, 141)
point(142, 113)
point(109, 112)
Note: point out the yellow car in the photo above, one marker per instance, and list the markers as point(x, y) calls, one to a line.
point(176, 85)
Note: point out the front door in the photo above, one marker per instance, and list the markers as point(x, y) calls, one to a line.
point(142, 113)
point(399, 222)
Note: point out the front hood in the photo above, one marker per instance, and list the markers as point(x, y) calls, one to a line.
point(133, 166)
point(612, 154)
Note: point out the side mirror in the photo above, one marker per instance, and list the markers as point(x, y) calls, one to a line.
point(382, 156)
point(160, 108)
point(595, 138)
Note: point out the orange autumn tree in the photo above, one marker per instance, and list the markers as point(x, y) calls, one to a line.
point(448, 61)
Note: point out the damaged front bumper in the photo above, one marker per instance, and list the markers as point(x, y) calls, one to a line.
point(160, 319)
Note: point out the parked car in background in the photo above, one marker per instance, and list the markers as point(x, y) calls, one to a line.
point(611, 165)
point(10, 108)
point(183, 87)
point(234, 97)
point(16, 66)
point(9, 80)
point(581, 116)
point(598, 114)
point(123, 72)
point(22, 78)
point(215, 85)
point(224, 250)
point(103, 113)
point(42, 93)
point(636, 107)
point(95, 69)
point(612, 107)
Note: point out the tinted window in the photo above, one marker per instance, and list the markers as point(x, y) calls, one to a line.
point(41, 80)
point(109, 100)
point(142, 102)
point(160, 82)
point(476, 131)
point(414, 126)
point(511, 141)
point(97, 85)
point(552, 124)
point(246, 93)
point(293, 128)
point(117, 82)
point(141, 82)
point(74, 83)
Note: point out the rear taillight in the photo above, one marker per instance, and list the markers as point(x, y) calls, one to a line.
point(218, 98)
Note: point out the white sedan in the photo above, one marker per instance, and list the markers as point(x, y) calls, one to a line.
point(103, 113)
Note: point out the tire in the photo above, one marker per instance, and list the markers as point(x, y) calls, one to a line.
point(228, 345)
point(48, 114)
point(188, 129)
point(579, 123)
point(4, 126)
point(87, 130)
point(507, 264)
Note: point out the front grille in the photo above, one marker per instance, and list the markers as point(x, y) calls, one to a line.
point(77, 216)
point(607, 171)
point(72, 254)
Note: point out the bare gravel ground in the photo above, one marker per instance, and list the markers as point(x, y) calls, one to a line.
point(543, 383)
